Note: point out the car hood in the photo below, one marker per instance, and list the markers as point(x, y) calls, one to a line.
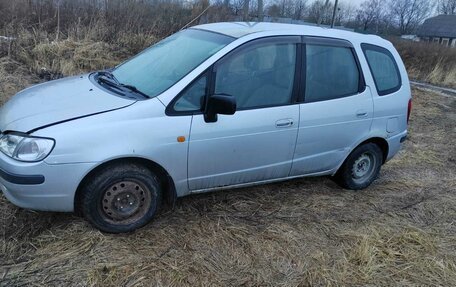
point(57, 101)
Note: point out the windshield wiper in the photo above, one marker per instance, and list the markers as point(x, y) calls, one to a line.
point(134, 89)
point(107, 80)
point(108, 74)
point(113, 82)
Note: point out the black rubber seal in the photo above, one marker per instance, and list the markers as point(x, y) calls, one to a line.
point(21, 179)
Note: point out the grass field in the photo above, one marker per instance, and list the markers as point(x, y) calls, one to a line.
point(428, 62)
point(401, 231)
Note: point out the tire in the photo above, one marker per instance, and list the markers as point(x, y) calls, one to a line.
point(361, 167)
point(121, 198)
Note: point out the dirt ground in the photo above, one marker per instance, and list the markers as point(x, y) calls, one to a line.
point(401, 231)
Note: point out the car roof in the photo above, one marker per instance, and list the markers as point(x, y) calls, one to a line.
point(241, 29)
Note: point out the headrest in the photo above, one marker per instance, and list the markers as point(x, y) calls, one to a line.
point(252, 60)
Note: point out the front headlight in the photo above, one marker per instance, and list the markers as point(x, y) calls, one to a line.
point(25, 148)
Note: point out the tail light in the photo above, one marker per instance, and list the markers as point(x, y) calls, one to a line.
point(409, 110)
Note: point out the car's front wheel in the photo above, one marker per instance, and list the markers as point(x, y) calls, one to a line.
point(361, 167)
point(121, 198)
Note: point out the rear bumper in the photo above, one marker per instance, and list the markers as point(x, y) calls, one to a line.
point(395, 143)
point(41, 186)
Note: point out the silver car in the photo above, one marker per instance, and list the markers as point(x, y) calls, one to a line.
point(211, 107)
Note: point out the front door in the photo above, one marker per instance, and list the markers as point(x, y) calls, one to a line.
point(257, 142)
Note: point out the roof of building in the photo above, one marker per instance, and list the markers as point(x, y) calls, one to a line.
point(439, 26)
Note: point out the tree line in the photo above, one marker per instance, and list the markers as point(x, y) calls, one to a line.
point(162, 17)
point(375, 16)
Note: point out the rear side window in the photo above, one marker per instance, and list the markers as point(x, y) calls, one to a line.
point(331, 72)
point(383, 68)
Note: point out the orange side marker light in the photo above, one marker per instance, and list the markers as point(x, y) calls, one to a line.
point(180, 139)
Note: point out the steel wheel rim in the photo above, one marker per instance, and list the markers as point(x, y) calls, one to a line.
point(363, 167)
point(125, 202)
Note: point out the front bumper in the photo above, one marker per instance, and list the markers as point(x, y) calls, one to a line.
point(41, 186)
point(21, 179)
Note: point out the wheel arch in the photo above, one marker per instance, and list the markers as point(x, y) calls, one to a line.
point(166, 181)
point(379, 141)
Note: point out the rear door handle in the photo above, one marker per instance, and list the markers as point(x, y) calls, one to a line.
point(284, 123)
point(361, 114)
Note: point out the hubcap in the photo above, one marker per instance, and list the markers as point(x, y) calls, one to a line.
point(363, 167)
point(125, 202)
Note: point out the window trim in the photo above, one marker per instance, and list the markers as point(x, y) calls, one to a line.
point(327, 41)
point(366, 46)
point(331, 42)
point(290, 39)
point(171, 111)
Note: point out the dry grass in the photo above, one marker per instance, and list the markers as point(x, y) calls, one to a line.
point(52, 59)
point(401, 231)
point(428, 62)
point(13, 78)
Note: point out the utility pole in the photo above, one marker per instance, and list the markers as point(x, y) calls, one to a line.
point(260, 11)
point(334, 14)
point(58, 21)
point(245, 10)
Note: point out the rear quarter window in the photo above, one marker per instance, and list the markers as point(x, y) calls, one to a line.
point(383, 68)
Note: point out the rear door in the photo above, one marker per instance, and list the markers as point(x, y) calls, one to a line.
point(336, 109)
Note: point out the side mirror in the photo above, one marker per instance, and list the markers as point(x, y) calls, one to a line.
point(219, 104)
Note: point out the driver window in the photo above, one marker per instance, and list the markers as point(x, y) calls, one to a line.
point(192, 96)
point(260, 76)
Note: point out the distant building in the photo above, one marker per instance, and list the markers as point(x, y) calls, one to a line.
point(413, 38)
point(439, 29)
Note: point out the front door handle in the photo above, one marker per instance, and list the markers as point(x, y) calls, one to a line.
point(284, 123)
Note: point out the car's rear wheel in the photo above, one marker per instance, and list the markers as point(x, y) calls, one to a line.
point(121, 198)
point(361, 167)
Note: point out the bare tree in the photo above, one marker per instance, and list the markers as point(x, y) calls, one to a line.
point(320, 12)
point(237, 6)
point(282, 8)
point(370, 13)
point(274, 10)
point(347, 13)
point(324, 11)
point(286, 8)
point(299, 9)
point(447, 7)
point(408, 14)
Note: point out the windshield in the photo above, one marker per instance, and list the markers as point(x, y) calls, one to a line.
point(159, 67)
